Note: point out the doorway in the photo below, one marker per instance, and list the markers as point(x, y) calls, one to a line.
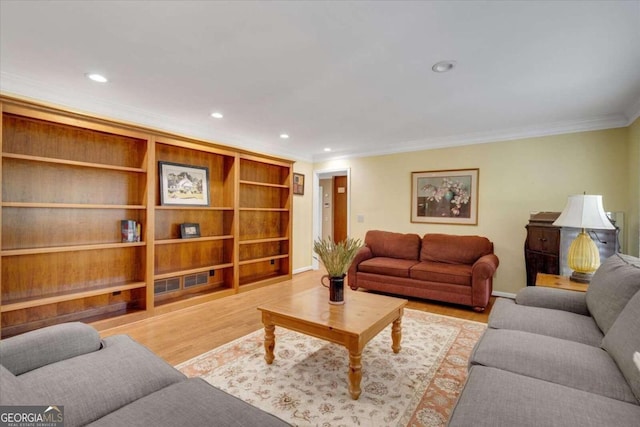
point(331, 206)
point(340, 195)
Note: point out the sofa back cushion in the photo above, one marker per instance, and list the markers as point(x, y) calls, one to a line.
point(93, 385)
point(453, 249)
point(393, 245)
point(623, 340)
point(35, 349)
point(611, 287)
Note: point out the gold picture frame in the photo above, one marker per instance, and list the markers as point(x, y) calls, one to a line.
point(445, 196)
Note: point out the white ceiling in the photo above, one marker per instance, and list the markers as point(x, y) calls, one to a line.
point(353, 76)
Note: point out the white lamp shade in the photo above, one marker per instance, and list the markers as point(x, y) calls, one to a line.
point(584, 211)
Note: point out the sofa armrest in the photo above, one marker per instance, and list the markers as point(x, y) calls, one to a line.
point(557, 299)
point(32, 350)
point(485, 267)
point(482, 272)
point(363, 254)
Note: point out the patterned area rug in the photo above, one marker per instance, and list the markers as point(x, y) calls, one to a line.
point(307, 383)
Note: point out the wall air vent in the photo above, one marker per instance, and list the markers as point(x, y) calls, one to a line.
point(166, 285)
point(196, 280)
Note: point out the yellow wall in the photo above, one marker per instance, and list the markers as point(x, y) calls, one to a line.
point(516, 178)
point(634, 189)
point(302, 219)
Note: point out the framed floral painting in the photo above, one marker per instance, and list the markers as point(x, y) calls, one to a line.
point(445, 197)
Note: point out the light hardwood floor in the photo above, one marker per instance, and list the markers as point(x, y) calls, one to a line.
point(180, 335)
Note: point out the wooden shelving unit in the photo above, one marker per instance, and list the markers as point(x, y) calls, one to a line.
point(67, 182)
point(204, 266)
point(265, 221)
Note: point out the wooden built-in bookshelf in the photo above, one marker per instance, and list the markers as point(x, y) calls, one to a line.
point(68, 180)
point(264, 220)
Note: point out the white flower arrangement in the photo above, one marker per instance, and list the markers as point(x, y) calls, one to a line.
point(452, 191)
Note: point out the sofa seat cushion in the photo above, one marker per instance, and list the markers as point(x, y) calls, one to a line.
point(454, 249)
point(458, 274)
point(564, 362)
point(393, 245)
point(612, 286)
point(190, 403)
point(92, 385)
point(12, 391)
point(623, 340)
point(493, 397)
point(387, 266)
point(506, 314)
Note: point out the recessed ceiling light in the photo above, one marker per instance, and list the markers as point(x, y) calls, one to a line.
point(443, 66)
point(96, 77)
point(284, 136)
point(217, 115)
point(327, 149)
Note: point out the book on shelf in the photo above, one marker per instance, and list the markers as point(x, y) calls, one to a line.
point(130, 230)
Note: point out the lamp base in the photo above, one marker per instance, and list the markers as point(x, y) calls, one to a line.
point(581, 277)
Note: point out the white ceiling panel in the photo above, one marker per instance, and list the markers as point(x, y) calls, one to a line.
point(353, 76)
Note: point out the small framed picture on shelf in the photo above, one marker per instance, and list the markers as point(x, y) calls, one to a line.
point(298, 184)
point(189, 230)
point(183, 184)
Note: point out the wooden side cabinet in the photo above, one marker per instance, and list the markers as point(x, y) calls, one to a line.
point(546, 246)
point(542, 246)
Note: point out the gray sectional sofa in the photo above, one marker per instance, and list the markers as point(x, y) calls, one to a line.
point(559, 358)
point(112, 382)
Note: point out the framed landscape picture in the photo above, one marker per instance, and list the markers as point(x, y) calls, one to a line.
point(183, 184)
point(445, 196)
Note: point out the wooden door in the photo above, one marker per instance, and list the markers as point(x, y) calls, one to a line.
point(340, 197)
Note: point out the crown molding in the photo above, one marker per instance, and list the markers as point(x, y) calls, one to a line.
point(22, 87)
point(557, 128)
point(633, 112)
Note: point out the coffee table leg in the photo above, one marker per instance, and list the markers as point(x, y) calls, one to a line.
point(355, 374)
point(396, 334)
point(269, 342)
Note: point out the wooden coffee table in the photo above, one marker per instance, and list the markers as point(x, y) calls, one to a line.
point(352, 325)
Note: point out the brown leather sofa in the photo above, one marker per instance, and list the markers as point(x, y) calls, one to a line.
point(442, 267)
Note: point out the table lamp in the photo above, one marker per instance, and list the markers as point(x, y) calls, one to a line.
point(584, 211)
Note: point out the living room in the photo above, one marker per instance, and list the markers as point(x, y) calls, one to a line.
point(525, 166)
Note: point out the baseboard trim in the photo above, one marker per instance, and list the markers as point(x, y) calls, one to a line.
point(302, 269)
point(503, 294)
